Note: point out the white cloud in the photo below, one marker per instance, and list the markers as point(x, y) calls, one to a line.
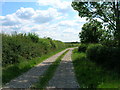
point(60, 5)
point(10, 20)
point(25, 13)
point(68, 23)
point(52, 22)
point(26, 16)
point(43, 16)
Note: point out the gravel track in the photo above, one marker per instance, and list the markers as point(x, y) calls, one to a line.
point(27, 79)
point(64, 76)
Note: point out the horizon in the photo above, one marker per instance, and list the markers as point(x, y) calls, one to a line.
point(46, 18)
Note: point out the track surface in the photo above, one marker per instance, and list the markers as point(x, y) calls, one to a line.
point(64, 76)
point(27, 79)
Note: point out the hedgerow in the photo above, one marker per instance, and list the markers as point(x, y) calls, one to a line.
point(20, 47)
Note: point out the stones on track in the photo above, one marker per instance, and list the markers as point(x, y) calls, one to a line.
point(32, 76)
point(64, 76)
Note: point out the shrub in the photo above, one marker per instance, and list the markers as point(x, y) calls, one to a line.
point(113, 60)
point(105, 56)
point(93, 52)
point(82, 48)
point(17, 46)
point(33, 37)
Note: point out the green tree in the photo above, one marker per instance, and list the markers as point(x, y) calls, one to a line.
point(91, 32)
point(108, 12)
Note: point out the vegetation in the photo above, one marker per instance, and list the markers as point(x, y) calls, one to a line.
point(90, 75)
point(108, 12)
point(21, 52)
point(91, 32)
point(14, 70)
point(107, 57)
point(82, 47)
point(71, 44)
point(21, 47)
point(98, 60)
point(44, 79)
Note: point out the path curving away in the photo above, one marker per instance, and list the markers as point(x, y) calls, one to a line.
point(64, 76)
point(27, 79)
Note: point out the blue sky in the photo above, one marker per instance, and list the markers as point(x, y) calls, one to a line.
point(47, 18)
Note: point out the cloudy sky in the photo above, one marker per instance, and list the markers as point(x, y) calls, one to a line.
point(47, 18)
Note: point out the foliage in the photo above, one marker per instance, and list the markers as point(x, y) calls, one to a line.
point(91, 32)
point(22, 46)
point(71, 44)
point(11, 71)
point(108, 39)
point(108, 57)
point(90, 75)
point(108, 12)
point(82, 48)
point(33, 37)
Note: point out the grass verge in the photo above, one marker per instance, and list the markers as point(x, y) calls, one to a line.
point(44, 79)
point(89, 75)
point(12, 71)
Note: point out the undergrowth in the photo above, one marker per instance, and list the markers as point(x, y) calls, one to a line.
point(90, 75)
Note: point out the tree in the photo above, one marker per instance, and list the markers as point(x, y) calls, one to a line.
point(91, 32)
point(108, 12)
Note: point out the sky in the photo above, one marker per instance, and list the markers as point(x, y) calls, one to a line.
point(47, 18)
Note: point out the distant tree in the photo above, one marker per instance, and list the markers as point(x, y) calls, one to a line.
point(91, 32)
point(108, 12)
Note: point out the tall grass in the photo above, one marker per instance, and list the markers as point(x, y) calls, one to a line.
point(90, 75)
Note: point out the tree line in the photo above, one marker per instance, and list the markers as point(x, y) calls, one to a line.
point(108, 30)
point(100, 36)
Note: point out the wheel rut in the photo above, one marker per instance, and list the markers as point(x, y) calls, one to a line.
point(64, 76)
point(27, 79)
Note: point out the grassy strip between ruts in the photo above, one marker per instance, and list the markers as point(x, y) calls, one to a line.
point(44, 79)
point(12, 71)
point(90, 75)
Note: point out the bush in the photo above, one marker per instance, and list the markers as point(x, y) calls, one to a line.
point(82, 48)
point(105, 56)
point(90, 75)
point(17, 46)
point(93, 53)
point(33, 37)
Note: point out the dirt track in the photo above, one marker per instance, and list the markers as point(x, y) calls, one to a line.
point(32, 76)
point(64, 76)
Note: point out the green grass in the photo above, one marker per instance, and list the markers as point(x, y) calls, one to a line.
point(112, 80)
point(89, 75)
point(12, 71)
point(44, 79)
point(112, 84)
